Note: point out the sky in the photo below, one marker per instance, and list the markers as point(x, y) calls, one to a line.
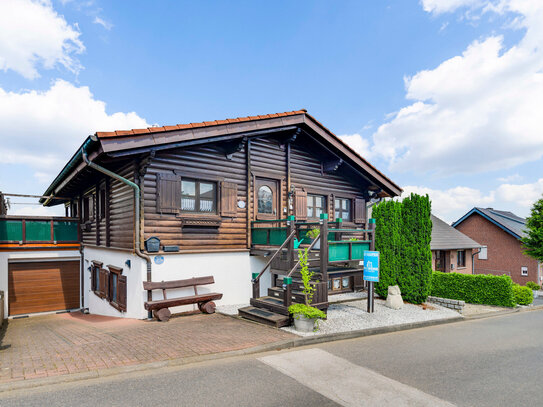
point(443, 96)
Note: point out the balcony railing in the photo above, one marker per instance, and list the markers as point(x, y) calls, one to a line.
point(38, 230)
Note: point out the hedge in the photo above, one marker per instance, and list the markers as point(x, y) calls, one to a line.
point(523, 295)
point(533, 286)
point(402, 237)
point(474, 289)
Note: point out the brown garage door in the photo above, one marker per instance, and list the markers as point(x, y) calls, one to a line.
point(43, 286)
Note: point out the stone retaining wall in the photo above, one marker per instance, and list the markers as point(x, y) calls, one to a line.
point(456, 305)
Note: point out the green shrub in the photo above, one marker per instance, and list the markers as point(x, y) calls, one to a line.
point(306, 310)
point(474, 289)
point(402, 237)
point(533, 286)
point(523, 295)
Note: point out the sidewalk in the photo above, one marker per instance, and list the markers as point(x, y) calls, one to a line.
point(53, 345)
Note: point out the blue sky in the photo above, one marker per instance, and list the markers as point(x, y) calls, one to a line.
point(439, 95)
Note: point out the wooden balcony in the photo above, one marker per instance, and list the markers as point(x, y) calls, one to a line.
point(37, 232)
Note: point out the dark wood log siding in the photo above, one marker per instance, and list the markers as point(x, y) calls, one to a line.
point(268, 158)
point(210, 162)
point(121, 210)
point(306, 173)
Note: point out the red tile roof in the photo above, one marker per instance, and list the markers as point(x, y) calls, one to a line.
point(133, 132)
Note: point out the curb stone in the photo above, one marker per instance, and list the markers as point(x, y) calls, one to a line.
point(285, 344)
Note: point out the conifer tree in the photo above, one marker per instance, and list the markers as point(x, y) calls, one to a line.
point(534, 224)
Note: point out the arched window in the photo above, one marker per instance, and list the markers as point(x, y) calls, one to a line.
point(265, 200)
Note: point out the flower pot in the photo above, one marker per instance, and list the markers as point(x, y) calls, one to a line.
point(304, 324)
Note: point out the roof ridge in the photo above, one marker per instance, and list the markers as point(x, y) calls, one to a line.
point(155, 129)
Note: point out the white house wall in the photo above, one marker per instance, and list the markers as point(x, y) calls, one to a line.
point(27, 256)
point(231, 271)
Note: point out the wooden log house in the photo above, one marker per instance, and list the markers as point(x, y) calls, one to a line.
point(217, 199)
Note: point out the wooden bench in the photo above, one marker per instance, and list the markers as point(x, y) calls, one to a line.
point(160, 307)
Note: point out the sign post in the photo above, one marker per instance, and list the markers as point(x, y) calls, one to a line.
point(371, 274)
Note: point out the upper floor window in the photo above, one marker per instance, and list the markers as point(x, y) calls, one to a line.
point(316, 205)
point(198, 196)
point(524, 271)
point(342, 209)
point(461, 258)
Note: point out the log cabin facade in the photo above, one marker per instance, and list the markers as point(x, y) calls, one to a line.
point(205, 192)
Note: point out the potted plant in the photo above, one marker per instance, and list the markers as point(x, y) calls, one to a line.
point(306, 316)
point(314, 234)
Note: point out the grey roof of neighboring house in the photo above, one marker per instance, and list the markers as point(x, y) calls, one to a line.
point(508, 221)
point(445, 237)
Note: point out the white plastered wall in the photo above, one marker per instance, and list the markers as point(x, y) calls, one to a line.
point(231, 271)
point(135, 275)
point(27, 255)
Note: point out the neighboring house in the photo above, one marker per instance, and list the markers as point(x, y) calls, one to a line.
point(217, 196)
point(500, 232)
point(452, 251)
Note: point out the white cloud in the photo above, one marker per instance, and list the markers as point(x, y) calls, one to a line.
point(475, 112)
point(43, 129)
point(452, 203)
point(521, 194)
point(358, 143)
point(100, 21)
point(511, 178)
point(33, 34)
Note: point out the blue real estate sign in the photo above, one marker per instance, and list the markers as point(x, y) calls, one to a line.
point(371, 266)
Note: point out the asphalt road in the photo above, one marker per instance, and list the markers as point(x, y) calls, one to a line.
point(487, 362)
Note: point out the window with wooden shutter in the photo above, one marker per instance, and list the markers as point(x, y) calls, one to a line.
point(229, 197)
point(121, 292)
point(102, 290)
point(359, 210)
point(300, 204)
point(168, 199)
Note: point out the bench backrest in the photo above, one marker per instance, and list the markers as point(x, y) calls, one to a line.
point(164, 285)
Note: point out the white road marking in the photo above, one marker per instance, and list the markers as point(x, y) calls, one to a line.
point(346, 383)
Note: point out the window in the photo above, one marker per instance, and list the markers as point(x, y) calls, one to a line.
point(316, 205)
point(524, 271)
point(88, 208)
point(483, 254)
point(461, 258)
point(342, 209)
point(109, 284)
point(198, 196)
point(265, 200)
point(102, 204)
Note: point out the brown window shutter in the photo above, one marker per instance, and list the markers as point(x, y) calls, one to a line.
point(94, 269)
point(121, 292)
point(300, 204)
point(229, 197)
point(168, 199)
point(359, 210)
point(103, 276)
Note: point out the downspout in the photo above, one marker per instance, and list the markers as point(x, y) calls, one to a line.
point(137, 194)
point(473, 260)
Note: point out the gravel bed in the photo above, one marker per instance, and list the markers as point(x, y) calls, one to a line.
point(352, 316)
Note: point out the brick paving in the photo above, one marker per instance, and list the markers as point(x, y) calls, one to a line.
point(60, 344)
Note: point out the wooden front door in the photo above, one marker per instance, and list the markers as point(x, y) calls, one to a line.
point(266, 198)
point(43, 286)
point(440, 261)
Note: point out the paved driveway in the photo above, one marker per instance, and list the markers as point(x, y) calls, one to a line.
point(70, 343)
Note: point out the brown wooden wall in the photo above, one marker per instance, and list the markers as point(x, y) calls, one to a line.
point(210, 163)
point(120, 204)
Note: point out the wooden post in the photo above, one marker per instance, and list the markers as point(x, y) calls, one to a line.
point(371, 304)
point(291, 226)
point(256, 286)
point(287, 291)
point(324, 250)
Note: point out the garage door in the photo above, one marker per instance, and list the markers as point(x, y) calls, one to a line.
point(43, 286)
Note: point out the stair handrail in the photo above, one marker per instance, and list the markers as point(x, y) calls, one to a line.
point(288, 239)
point(298, 262)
